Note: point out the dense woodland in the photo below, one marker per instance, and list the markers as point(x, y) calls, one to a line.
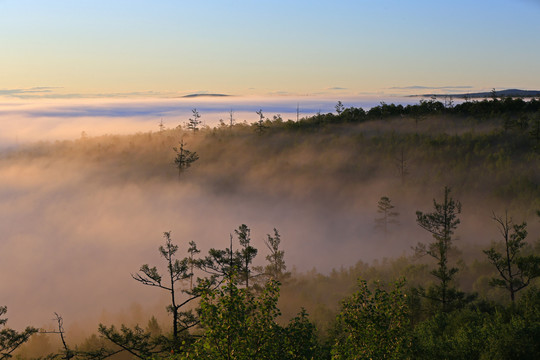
point(442, 299)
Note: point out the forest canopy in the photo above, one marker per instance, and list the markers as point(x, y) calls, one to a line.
point(410, 177)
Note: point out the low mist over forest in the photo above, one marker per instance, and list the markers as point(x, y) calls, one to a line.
point(80, 217)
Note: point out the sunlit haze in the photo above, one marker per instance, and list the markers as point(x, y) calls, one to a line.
point(95, 145)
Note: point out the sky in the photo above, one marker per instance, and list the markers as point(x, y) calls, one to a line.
point(165, 48)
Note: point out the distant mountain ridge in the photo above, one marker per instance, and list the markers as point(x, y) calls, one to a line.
point(487, 94)
point(204, 95)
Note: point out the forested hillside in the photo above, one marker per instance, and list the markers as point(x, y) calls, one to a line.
point(430, 247)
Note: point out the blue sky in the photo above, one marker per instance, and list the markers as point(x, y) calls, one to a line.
point(170, 48)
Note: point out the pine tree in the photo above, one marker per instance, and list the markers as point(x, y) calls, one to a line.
point(384, 207)
point(247, 253)
point(515, 270)
point(194, 121)
point(339, 107)
point(276, 268)
point(259, 125)
point(184, 157)
point(441, 224)
point(10, 339)
point(177, 271)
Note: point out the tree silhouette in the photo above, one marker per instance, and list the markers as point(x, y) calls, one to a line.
point(137, 342)
point(515, 271)
point(384, 207)
point(259, 125)
point(10, 339)
point(339, 107)
point(247, 253)
point(222, 263)
point(276, 268)
point(231, 118)
point(402, 167)
point(441, 224)
point(68, 353)
point(178, 270)
point(144, 344)
point(184, 157)
point(161, 126)
point(194, 122)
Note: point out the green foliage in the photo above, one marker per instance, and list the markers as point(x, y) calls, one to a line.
point(178, 270)
point(300, 339)
point(512, 335)
point(482, 332)
point(247, 252)
point(463, 145)
point(454, 335)
point(184, 157)
point(441, 224)
point(515, 270)
point(137, 342)
point(276, 268)
point(221, 263)
point(535, 129)
point(235, 314)
point(373, 325)
point(11, 339)
point(236, 324)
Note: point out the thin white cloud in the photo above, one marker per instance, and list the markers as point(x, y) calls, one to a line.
point(420, 87)
point(51, 92)
point(34, 91)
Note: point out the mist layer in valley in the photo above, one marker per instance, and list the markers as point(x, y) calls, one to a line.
point(35, 119)
point(80, 216)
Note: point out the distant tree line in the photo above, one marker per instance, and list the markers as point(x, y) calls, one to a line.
point(484, 109)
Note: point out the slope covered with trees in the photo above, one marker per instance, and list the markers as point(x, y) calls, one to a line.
point(444, 299)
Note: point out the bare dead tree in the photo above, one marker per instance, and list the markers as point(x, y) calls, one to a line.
point(231, 118)
point(68, 354)
point(161, 126)
point(515, 269)
point(402, 167)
